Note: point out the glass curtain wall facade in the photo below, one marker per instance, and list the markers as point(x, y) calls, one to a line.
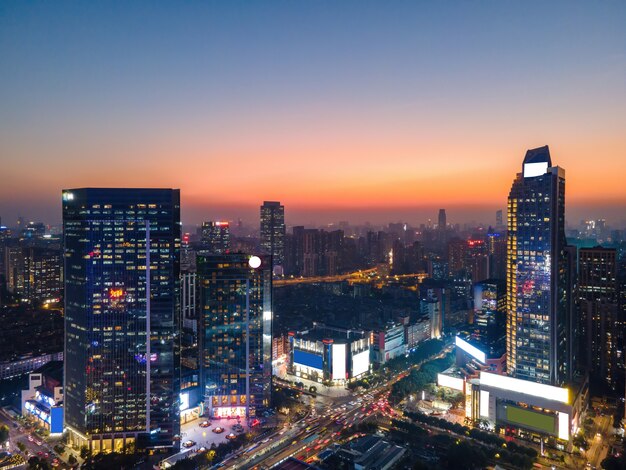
point(122, 308)
point(235, 294)
point(602, 326)
point(537, 331)
point(273, 231)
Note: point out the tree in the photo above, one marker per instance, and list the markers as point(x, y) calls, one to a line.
point(113, 460)
point(84, 452)
point(580, 441)
point(614, 463)
point(21, 446)
point(35, 463)
point(465, 456)
point(4, 434)
point(72, 460)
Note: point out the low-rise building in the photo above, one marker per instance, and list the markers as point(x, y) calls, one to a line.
point(417, 332)
point(518, 407)
point(329, 355)
point(26, 364)
point(371, 453)
point(525, 408)
point(44, 397)
point(388, 343)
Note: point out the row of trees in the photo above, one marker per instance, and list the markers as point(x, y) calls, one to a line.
point(457, 453)
point(422, 352)
point(474, 433)
point(420, 379)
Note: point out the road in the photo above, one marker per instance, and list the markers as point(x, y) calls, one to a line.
point(309, 437)
point(34, 444)
point(600, 443)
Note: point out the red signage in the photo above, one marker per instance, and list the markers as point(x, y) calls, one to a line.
point(116, 293)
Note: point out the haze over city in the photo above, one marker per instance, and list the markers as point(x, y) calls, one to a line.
point(341, 111)
point(313, 235)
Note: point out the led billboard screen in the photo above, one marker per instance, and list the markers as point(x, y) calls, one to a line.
point(308, 359)
point(530, 419)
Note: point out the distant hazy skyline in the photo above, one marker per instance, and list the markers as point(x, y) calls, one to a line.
point(351, 110)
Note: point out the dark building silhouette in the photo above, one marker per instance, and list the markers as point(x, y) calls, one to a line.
point(601, 323)
point(273, 231)
point(216, 237)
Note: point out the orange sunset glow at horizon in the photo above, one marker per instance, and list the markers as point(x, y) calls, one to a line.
point(340, 113)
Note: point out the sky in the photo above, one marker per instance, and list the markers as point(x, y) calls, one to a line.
point(353, 110)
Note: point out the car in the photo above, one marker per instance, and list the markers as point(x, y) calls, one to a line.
point(188, 444)
point(205, 424)
point(218, 430)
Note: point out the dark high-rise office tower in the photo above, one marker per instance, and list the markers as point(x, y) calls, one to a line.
point(442, 220)
point(457, 254)
point(537, 325)
point(122, 308)
point(496, 249)
point(273, 231)
point(235, 333)
point(216, 237)
point(34, 272)
point(499, 221)
point(600, 322)
point(490, 316)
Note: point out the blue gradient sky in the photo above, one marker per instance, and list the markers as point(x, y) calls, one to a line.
point(338, 109)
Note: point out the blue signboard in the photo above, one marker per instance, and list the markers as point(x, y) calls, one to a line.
point(308, 359)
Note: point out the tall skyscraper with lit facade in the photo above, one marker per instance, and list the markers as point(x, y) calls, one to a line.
point(216, 237)
point(538, 333)
point(235, 333)
point(122, 308)
point(273, 231)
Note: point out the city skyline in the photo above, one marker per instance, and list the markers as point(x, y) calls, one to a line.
point(314, 235)
point(333, 111)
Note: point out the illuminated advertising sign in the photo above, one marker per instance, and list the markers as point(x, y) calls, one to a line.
point(535, 169)
point(56, 422)
point(339, 361)
point(531, 419)
point(471, 350)
point(116, 293)
point(184, 401)
point(526, 387)
point(484, 403)
point(454, 383)
point(229, 411)
point(308, 359)
point(360, 363)
point(563, 426)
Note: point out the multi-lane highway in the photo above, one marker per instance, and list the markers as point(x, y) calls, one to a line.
point(313, 434)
